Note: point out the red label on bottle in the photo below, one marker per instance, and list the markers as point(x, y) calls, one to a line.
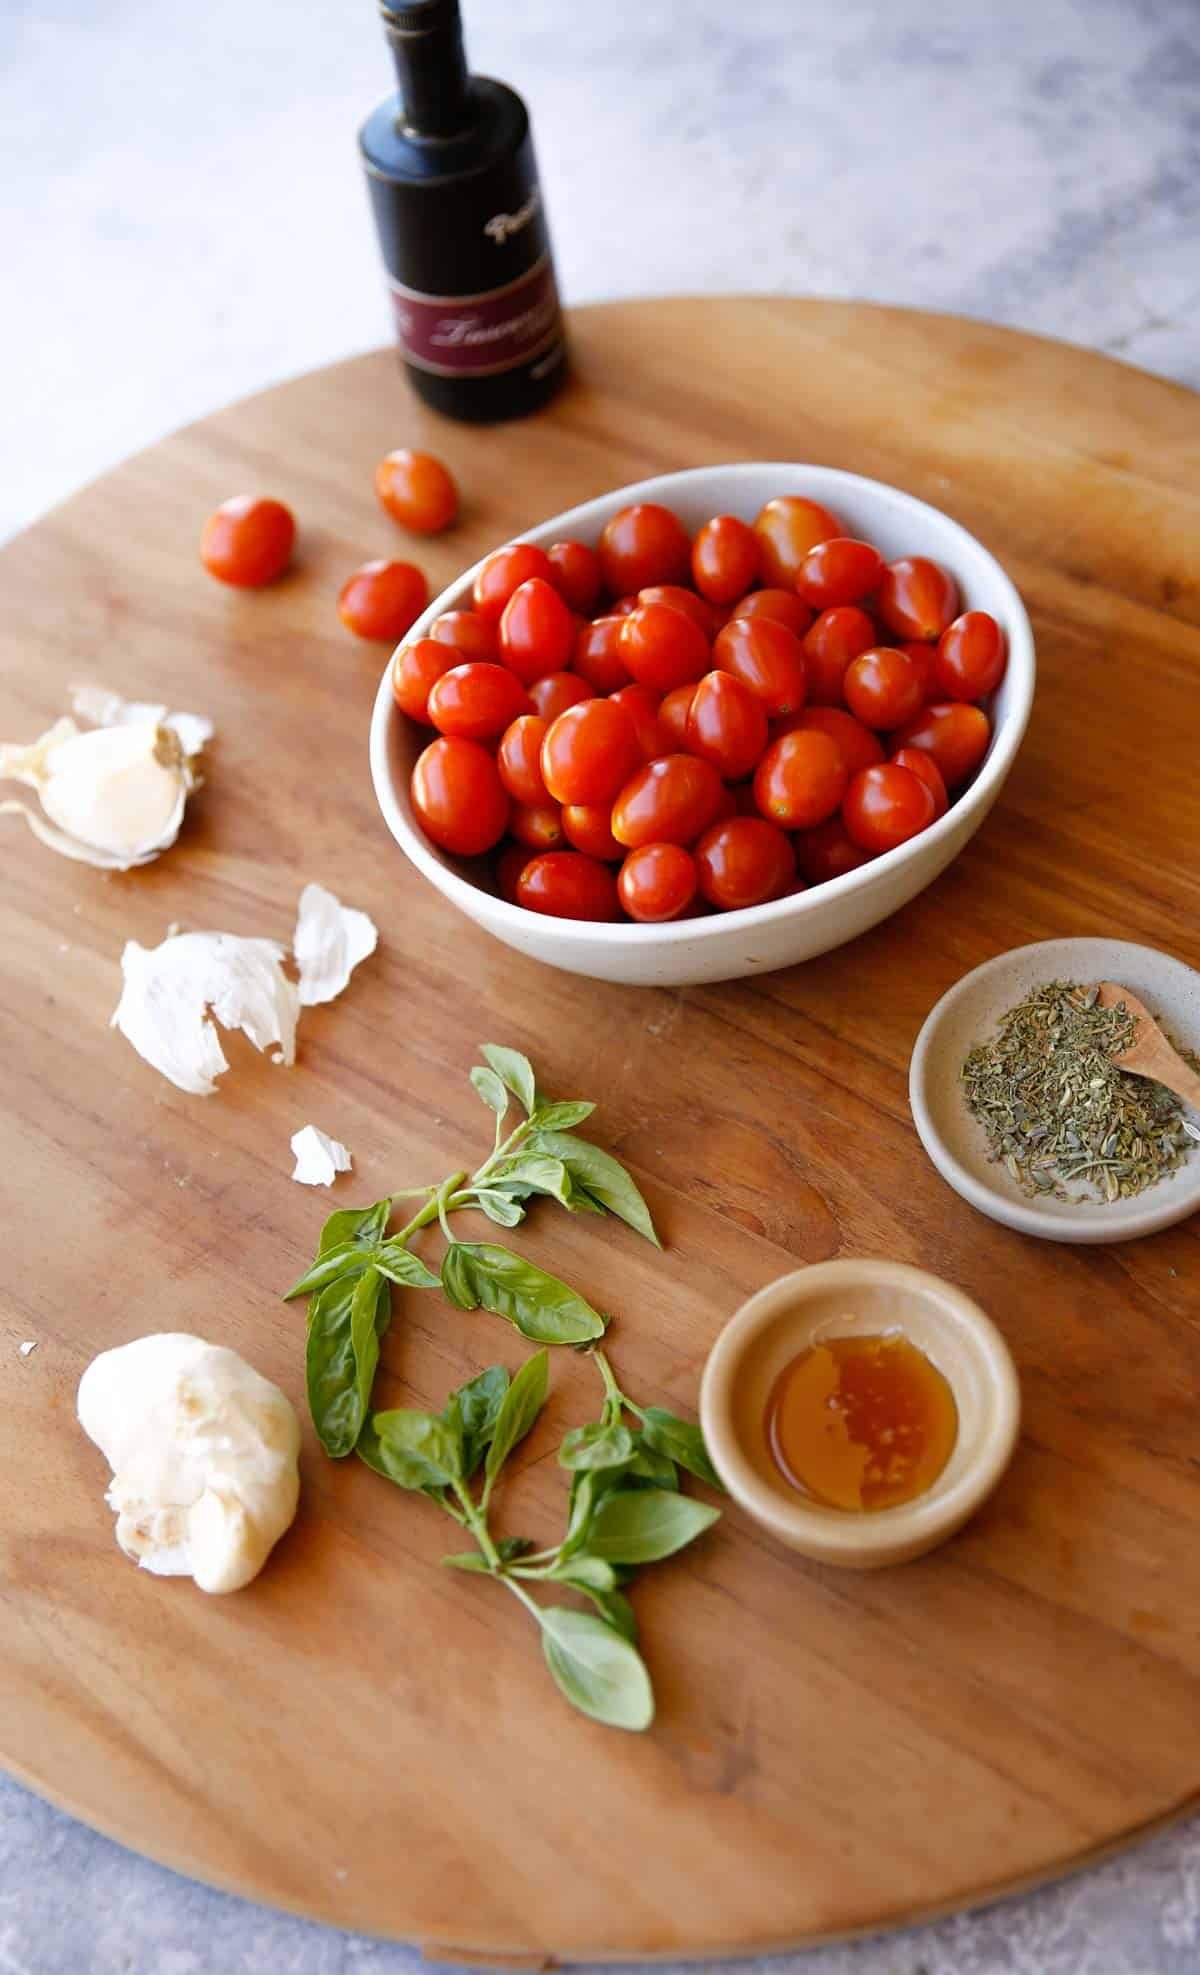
point(477, 335)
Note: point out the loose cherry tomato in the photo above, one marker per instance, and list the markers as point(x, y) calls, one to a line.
point(724, 559)
point(556, 692)
point(383, 600)
point(472, 635)
point(537, 631)
point(663, 647)
point(971, 656)
point(577, 575)
point(916, 598)
point(687, 601)
point(657, 882)
point(642, 707)
point(590, 752)
point(767, 657)
point(800, 780)
point(476, 701)
point(858, 746)
point(787, 528)
point(921, 657)
point(673, 717)
point(248, 541)
point(567, 885)
point(885, 806)
point(504, 571)
point(589, 828)
point(415, 669)
point(509, 866)
point(881, 687)
point(670, 800)
point(417, 491)
point(458, 796)
point(926, 767)
point(831, 642)
point(597, 657)
point(726, 724)
point(840, 571)
point(955, 735)
point(783, 605)
point(828, 851)
point(519, 761)
point(538, 829)
point(644, 544)
point(742, 862)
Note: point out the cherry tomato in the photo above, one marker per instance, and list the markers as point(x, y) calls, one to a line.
point(800, 780)
point(504, 571)
point(881, 687)
point(783, 605)
point(519, 761)
point(417, 491)
point(567, 885)
point(924, 765)
point(859, 747)
point(729, 804)
point(474, 636)
point(415, 669)
point(624, 605)
point(248, 541)
point(955, 735)
point(921, 657)
point(727, 725)
point(644, 544)
point(597, 656)
point(590, 752)
point(577, 575)
point(537, 631)
point(971, 656)
point(887, 805)
point(476, 701)
point(538, 829)
point(673, 717)
point(509, 866)
point(589, 828)
point(831, 642)
point(687, 601)
point(767, 657)
point(458, 796)
point(670, 800)
point(742, 862)
point(642, 707)
point(556, 692)
point(840, 571)
point(828, 851)
point(663, 647)
point(916, 598)
point(787, 528)
point(383, 600)
point(657, 882)
point(724, 559)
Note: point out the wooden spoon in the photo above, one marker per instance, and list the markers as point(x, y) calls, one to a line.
point(1150, 1054)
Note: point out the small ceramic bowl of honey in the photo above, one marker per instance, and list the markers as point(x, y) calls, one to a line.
point(859, 1410)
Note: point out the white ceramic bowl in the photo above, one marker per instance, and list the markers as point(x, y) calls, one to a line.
point(789, 929)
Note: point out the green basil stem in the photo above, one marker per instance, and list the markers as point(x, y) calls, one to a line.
point(529, 1603)
point(430, 1211)
point(614, 1398)
point(476, 1522)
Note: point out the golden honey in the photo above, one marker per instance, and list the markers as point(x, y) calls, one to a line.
point(861, 1423)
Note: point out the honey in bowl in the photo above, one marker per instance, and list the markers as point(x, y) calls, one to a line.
point(861, 1423)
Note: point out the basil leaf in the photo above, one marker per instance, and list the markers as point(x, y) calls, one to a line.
point(514, 1071)
point(346, 1259)
point(587, 1574)
point(601, 1673)
point(613, 1607)
point(362, 1225)
point(541, 1307)
point(650, 1469)
point(603, 1177)
point(509, 1548)
point(398, 1264)
point(478, 1406)
point(413, 1449)
point(490, 1088)
point(680, 1442)
point(345, 1322)
point(638, 1526)
point(581, 1201)
point(584, 1496)
point(562, 1117)
point(534, 1172)
point(467, 1560)
point(520, 1407)
point(596, 1446)
point(499, 1207)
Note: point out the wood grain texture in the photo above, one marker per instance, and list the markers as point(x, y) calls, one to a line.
point(364, 1737)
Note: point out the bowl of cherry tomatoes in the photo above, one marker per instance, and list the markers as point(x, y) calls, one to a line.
point(715, 723)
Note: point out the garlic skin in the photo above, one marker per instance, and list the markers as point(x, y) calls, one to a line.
point(329, 941)
point(204, 1454)
point(319, 1158)
point(168, 990)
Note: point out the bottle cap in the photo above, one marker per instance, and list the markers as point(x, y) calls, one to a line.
point(419, 16)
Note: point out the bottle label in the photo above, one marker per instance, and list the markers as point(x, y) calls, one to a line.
point(478, 335)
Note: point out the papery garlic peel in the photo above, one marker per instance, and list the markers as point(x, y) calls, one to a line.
point(169, 989)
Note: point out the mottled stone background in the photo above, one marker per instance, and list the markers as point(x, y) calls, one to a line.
point(181, 222)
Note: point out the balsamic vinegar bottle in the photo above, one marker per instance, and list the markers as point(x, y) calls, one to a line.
point(454, 189)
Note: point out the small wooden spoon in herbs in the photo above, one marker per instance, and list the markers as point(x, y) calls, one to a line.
point(1150, 1053)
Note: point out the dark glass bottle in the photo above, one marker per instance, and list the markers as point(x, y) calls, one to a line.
point(454, 189)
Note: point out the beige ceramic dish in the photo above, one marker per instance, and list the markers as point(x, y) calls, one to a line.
point(858, 1298)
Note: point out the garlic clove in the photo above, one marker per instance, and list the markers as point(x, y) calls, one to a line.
point(168, 990)
point(319, 1158)
point(329, 941)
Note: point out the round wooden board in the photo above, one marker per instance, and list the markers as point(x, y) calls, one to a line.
point(373, 1741)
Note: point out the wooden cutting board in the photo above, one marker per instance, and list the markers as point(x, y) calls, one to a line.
point(361, 1736)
